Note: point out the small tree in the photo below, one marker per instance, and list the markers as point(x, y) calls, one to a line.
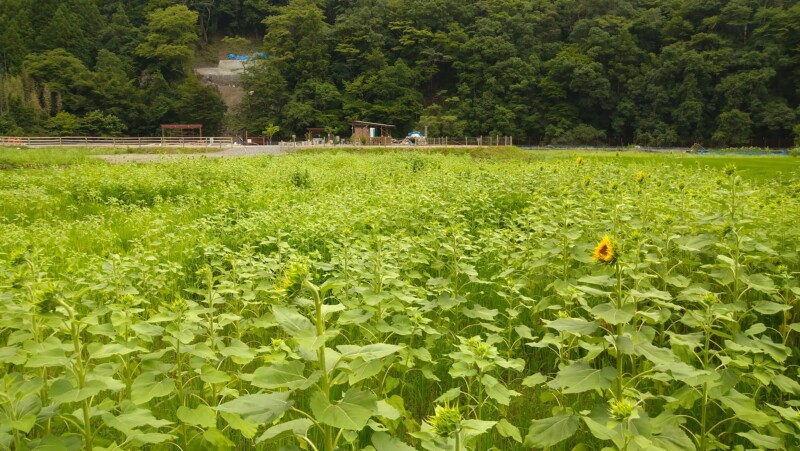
point(797, 135)
point(270, 131)
point(236, 44)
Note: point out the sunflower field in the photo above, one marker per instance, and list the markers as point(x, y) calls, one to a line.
point(395, 301)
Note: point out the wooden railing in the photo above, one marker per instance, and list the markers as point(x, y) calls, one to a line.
point(96, 141)
point(482, 141)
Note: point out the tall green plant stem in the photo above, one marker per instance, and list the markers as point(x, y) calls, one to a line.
point(324, 382)
point(80, 375)
point(704, 411)
point(620, 328)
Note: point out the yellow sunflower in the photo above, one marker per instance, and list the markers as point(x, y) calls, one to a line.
point(640, 177)
point(604, 252)
point(579, 160)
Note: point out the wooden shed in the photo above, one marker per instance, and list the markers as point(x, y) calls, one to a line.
point(371, 133)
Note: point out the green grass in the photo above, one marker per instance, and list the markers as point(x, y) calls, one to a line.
point(12, 157)
point(757, 168)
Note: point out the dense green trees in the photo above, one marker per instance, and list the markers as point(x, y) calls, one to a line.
point(648, 72)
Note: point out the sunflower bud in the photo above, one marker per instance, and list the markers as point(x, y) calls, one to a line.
point(710, 299)
point(622, 409)
point(445, 420)
point(293, 277)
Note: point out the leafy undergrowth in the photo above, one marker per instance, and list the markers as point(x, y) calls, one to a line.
point(15, 158)
point(397, 301)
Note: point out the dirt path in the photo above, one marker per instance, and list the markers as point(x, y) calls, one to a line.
point(241, 151)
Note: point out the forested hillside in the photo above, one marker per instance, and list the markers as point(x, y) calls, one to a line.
point(649, 72)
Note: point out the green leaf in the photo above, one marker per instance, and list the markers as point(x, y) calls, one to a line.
point(580, 377)
point(673, 438)
point(474, 428)
point(45, 355)
point(132, 419)
point(759, 282)
point(603, 281)
point(496, 390)
point(202, 416)
point(292, 322)
point(593, 291)
point(534, 380)
point(211, 375)
point(385, 442)
point(386, 410)
point(13, 355)
point(110, 350)
point(24, 424)
point(368, 352)
point(604, 429)
point(146, 387)
point(360, 370)
point(351, 413)
point(770, 308)
point(677, 281)
point(247, 428)
point(553, 430)
point(218, 440)
point(577, 326)
point(480, 312)
point(786, 385)
point(659, 356)
point(260, 408)
point(152, 438)
point(288, 429)
point(283, 375)
point(694, 243)
point(506, 429)
point(63, 391)
point(449, 395)
point(761, 440)
point(745, 408)
point(612, 315)
point(239, 352)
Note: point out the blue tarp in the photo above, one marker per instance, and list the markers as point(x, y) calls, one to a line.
point(233, 56)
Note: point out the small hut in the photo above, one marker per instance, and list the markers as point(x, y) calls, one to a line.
point(371, 133)
point(196, 131)
point(317, 135)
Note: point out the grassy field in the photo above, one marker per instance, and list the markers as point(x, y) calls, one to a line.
point(393, 300)
point(13, 157)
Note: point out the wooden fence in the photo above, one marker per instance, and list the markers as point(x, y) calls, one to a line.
point(439, 141)
point(95, 141)
point(471, 141)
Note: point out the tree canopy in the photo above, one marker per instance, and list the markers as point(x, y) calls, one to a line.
point(648, 72)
